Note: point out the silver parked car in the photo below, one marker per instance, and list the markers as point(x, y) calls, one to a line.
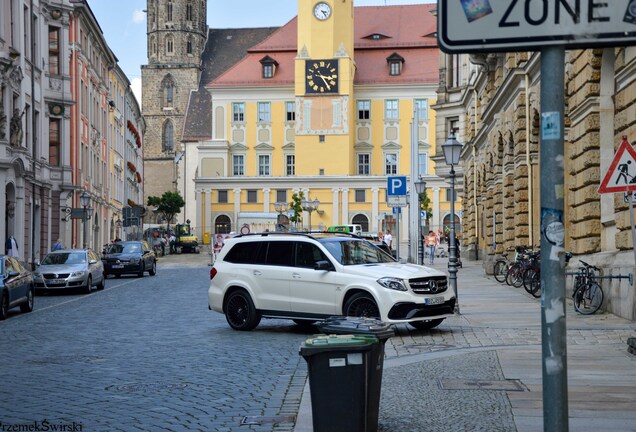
point(74, 268)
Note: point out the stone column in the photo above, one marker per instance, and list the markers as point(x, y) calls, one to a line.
point(336, 205)
point(345, 206)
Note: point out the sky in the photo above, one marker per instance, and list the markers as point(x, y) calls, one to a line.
point(123, 23)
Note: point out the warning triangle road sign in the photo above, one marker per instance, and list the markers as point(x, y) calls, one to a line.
point(621, 174)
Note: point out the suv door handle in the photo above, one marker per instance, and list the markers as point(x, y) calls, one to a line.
point(296, 276)
point(257, 273)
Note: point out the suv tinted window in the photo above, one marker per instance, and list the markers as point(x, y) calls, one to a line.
point(351, 252)
point(280, 253)
point(247, 253)
point(307, 254)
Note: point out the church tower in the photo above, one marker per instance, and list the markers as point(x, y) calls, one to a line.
point(176, 35)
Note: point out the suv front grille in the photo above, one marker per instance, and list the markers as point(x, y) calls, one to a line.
point(429, 285)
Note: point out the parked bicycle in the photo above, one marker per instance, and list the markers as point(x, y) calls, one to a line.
point(532, 275)
point(588, 294)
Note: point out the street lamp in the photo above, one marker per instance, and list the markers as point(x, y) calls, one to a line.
point(310, 206)
point(280, 207)
point(85, 200)
point(452, 150)
point(420, 187)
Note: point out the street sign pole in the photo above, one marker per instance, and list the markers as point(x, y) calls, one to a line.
point(631, 222)
point(553, 326)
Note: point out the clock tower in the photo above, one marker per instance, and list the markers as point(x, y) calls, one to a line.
point(324, 73)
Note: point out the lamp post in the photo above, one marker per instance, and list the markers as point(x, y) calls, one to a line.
point(420, 187)
point(310, 206)
point(452, 150)
point(85, 200)
point(280, 207)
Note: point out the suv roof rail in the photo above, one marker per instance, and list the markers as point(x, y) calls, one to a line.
point(298, 233)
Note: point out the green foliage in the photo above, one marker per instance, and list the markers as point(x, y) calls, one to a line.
point(296, 205)
point(168, 205)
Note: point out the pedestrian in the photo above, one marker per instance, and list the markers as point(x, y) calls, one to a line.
point(173, 240)
point(388, 239)
point(431, 244)
point(58, 245)
point(11, 247)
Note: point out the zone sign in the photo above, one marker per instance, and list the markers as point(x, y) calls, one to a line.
point(522, 25)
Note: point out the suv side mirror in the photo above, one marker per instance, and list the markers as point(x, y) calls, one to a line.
point(323, 265)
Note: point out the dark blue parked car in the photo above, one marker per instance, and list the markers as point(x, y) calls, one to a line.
point(16, 286)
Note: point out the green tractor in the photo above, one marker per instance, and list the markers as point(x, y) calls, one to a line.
point(185, 241)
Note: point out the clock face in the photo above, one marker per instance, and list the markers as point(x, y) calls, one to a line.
point(321, 76)
point(322, 11)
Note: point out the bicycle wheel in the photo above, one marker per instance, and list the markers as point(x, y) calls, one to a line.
point(535, 284)
point(516, 275)
point(588, 298)
point(528, 276)
point(499, 271)
point(511, 272)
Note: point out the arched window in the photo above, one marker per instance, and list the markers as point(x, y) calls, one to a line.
point(189, 11)
point(362, 220)
point(167, 88)
point(168, 136)
point(189, 45)
point(169, 10)
point(222, 225)
point(169, 44)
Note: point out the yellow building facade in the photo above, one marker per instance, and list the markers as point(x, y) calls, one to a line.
point(325, 108)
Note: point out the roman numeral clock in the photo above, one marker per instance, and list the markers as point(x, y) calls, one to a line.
point(321, 76)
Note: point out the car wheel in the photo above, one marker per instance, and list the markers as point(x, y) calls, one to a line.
point(141, 270)
point(4, 306)
point(361, 305)
point(28, 305)
point(240, 312)
point(153, 269)
point(89, 285)
point(426, 325)
point(100, 285)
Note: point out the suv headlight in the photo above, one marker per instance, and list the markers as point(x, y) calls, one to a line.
point(134, 260)
point(392, 283)
point(78, 273)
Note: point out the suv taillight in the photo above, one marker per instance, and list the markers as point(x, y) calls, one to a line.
point(213, 273)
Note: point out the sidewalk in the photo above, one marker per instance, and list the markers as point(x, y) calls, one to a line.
point(482, 370)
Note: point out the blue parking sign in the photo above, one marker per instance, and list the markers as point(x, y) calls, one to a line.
point(396, 185)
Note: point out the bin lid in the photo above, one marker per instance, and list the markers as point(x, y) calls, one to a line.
point(347, 342)
point(357, 325)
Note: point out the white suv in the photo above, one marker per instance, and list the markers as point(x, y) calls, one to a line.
point(309, 277)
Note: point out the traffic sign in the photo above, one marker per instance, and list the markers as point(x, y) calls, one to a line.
point(396, 186)
point(396, 201)
point(524, 25)
point(621, 174)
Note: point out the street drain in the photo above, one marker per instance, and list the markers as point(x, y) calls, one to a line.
point(67, 359)
point(259, 420)
point(430, 347)
point(146, 387)
point(501, 385)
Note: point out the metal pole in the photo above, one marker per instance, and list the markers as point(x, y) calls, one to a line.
point(452, 250)
point(553, 326)
point(420, 249)
point(84, 217)
point(630, 195)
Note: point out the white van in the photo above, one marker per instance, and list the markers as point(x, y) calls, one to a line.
point(351, 228)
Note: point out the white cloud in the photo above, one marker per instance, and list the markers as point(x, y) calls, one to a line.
point(135, 84)
point(138, 16)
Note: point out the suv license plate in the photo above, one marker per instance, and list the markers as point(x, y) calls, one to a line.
point(56, 281)
point(434, 300)
point(118, 266)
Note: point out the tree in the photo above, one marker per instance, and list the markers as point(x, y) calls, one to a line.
point(425, 203)
point(167, 206)
point(297, 206)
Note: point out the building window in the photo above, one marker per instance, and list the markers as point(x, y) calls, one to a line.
point(391, 164)
point(238, 165)
point(321, 138)
point(364, 110)
point(169, 11)
point(268, 71)
point(421, 107)
point(169, 44)
point(269, 66)
point(54, 142)
point(290, 111)
point(263, 165)
point(238, 112)
point(189, 11)
point(264, 112)
point(169, 93)
point(281, 195)
point(422, 164)
point(54, 50)
point(251, 196)
point(364, 164)
point(168, 136)
point(222, 197)
point(391, 111)
point(189, 45)
point(360, 196)
point(290, 165)
point(395, 68)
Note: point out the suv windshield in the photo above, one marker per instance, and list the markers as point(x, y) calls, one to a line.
point(125, 248)
point(65, 258)
point(353, 252)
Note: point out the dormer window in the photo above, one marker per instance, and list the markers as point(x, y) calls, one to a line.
point(395, 62)
point(376, 36)
point(269, 66)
